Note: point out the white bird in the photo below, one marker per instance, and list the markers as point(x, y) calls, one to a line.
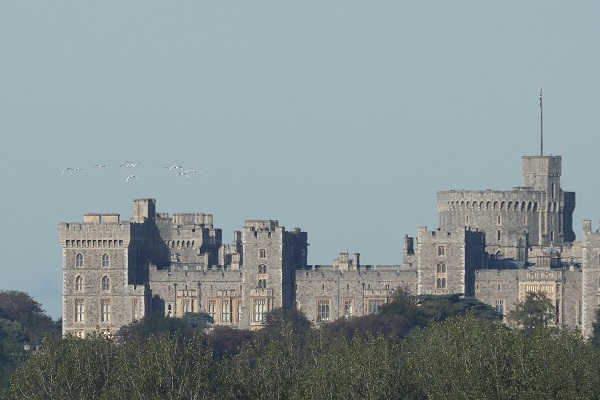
point(99, 166)
point(184, 173)
point(79, 169)
point(130, 164)
point(67, 169)
point(173, 167)
point(131, 177)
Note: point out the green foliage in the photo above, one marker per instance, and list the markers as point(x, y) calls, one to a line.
point(22, 322)
point(364, 368)
point(157, 324)
point(226, 341)
point(68, 368)
point(393, 327)
point(470, 358)
point(22, 308)
point(595, 338)
point(12, 337)
point(537, 310)
point(461, 352)
point(164, 367)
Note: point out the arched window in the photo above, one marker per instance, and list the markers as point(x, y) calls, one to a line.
point(79, 284)
point(105, 261)
point(262, 269)
point(105, 283)
point(79, 260)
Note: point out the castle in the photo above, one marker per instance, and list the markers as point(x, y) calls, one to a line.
point(493, 245)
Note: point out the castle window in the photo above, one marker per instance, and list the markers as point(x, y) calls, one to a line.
point(105, 310)
point(79, 260)
point(374, 306)
point(105, 283)
point(79, 310)
point(441, 251)
point(260, 307)
point(79, 284)
point(323, 307)
point(441, 276)
point(499, 306)
point(212, 305)
point(348, 308)
point(105, 261)
point(225, 312)
point(498, 235)
point(262, 253)
point(262, 283)
point(579, 313)
point(499, 220)
point(262, 269)
point(186, 306)
point(135, 313)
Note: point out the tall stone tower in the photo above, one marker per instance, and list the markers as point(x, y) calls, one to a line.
point(101, 263)
point(271, 255)
point(516, 222)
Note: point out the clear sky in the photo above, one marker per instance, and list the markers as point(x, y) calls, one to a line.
point(342, 118)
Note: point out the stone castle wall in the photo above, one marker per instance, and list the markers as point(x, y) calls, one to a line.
point(177, 264)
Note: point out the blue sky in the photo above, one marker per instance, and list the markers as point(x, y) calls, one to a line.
point(342, 118)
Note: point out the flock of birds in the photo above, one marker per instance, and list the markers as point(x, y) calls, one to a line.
point(131, 164)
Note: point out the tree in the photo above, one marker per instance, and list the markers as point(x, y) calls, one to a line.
point(67, 368)
point(535, 311)
point(20, 307)
point(227, 341)
point(157, 324)
point(471, 358)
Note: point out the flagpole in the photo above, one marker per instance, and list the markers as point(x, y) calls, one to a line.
point(541, 127)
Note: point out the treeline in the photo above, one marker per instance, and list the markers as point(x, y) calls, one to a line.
point(414, 348)
point(23, 325)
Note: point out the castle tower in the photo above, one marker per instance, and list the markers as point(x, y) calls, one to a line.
point(590, 285)
point(97, 294)
point(519, 221)
point(271, 255)
point(447, 260)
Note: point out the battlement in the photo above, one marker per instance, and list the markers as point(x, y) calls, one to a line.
point(95, 218)
point(79, 230)
point(193, 219)
point(261, 225)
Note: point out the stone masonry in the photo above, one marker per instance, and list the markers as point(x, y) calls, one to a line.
point(494, 245)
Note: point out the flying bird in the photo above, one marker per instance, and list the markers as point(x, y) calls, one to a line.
point(130, 164)
point(99, 166)
point(172, 167)
point(67, 169)
point(131, 177)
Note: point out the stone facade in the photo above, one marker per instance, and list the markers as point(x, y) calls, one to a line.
point(494, 245)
